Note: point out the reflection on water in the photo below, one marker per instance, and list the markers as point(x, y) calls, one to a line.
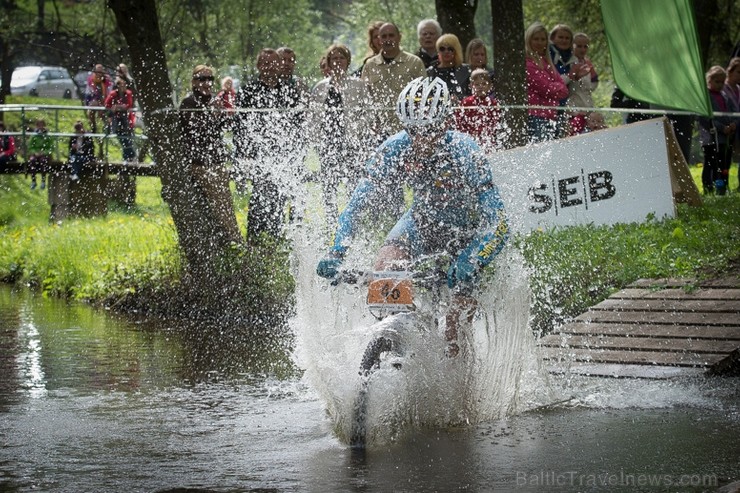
point(90, 402)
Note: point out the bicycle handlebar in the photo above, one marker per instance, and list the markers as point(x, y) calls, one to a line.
point(426, 271)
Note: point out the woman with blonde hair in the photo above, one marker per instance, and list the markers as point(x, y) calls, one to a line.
point(450, 67)
point(339, 127)
point(373, 43)
point(545, 87)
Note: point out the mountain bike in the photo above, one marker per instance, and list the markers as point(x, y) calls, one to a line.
point(405, 304)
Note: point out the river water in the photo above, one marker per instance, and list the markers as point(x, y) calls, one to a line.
point(90, 402)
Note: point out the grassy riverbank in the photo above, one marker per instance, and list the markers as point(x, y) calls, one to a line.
point(133, 255)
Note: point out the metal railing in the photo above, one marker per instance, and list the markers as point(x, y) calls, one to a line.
point(27, 122)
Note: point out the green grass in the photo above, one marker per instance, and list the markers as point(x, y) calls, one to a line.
point(130, 252)
point(577, 267)
point(86, 258)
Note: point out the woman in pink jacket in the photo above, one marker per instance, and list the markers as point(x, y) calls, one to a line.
point(545, 87)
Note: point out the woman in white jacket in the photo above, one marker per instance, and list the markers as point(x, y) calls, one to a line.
point(338, 125)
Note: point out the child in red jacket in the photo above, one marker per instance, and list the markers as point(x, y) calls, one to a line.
point(479, 116)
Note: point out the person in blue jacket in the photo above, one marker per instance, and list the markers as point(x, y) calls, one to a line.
point(456, 206)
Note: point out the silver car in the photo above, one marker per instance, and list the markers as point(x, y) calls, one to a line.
point(48, 82)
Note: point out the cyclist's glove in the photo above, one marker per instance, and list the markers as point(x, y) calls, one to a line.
point(329, 266)
point(464, 271)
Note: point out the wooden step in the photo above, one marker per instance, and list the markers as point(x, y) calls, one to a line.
point(632, 357)
point(673, 305)
point(672, 318)
point(654, 330)
point(677, 294)
point(640, 343)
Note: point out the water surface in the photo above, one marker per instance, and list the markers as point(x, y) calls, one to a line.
point(92, 402)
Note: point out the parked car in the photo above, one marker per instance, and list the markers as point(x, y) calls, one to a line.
point(48, 82)
point(80, 80)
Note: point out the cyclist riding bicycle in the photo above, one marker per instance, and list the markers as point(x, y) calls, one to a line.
point(456, 206)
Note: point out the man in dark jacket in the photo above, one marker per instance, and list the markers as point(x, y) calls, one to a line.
point(201, 126)
point(271, 141)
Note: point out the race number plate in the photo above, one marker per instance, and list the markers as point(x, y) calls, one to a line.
point(391, 290)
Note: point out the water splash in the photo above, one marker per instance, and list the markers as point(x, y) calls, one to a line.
point(498, 373)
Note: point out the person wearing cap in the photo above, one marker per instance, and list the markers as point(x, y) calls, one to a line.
point(456, 207)
point(201, 128)
point(81, 151)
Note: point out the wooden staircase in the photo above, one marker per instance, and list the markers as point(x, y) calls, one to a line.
point(653, 329)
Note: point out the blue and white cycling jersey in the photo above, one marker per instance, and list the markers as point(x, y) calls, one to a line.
point(456, 205)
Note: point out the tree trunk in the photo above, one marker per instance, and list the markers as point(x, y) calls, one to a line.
point(201, 239)
point(457, 17)
point(510, 67)
point(706, 22)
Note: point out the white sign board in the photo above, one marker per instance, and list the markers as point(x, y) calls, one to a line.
point(617, 175)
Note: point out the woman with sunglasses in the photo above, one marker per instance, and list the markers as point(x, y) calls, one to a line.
point(456, 207)
point(450, 67)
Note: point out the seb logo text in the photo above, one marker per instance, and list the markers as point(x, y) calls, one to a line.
point(573, 191)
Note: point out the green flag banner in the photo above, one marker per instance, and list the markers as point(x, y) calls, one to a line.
point(655, 53)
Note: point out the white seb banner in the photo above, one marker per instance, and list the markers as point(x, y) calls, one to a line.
point(617, 175)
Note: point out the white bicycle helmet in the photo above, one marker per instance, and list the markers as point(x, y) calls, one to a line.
point(424, 101)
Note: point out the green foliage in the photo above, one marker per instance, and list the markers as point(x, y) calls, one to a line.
point(85, 258)
point(136, 253)
point(577, 267)
point(229, 35)
point(74, 35)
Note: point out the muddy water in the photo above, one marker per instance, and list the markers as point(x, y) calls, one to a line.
point(91, 402)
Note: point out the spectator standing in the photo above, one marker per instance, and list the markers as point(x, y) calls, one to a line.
point(450, 67)
point(338, 105)
point(476, 55)
point(565, 62)
point(716, 135)
point(732, 93)
point(373, 44)
point(227, 94)
point(561, 51)
point(479, 116)
point(96, 91)
point(732, 83)
point(595, 121)
point(582, 87)
point(429, 32)
point(201, 126)
point(123, 73)
point(545, 87)
point(40, 147)
point(287, 72)
point(386, 74)
point(271, 142)
point(120, 104)
point(7, 146)
point(621, 100)
point(81, 151)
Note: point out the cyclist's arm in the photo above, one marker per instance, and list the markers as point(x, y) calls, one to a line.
point(381, 169)
point(494, 231)
point(350, 217)
point(488, 244)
